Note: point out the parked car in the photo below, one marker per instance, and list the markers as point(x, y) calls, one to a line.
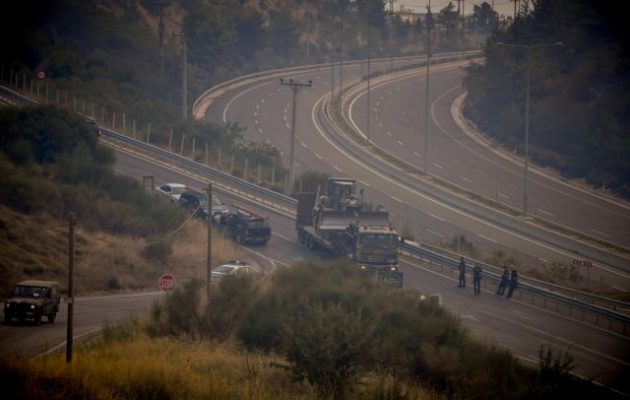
point(231, 268)
point(33, 299)
point(245, 226)
point(197, 202)
point(171, 191)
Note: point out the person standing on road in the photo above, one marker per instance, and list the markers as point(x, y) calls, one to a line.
point(462, 273)
point(513, 284)
point(505, 279)
point(477, 279)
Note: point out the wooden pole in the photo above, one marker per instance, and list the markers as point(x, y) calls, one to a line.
point(69, 333)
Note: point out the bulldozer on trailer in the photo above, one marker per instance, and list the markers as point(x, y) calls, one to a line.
point(338, 224)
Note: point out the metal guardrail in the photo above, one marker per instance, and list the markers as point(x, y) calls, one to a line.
point(288, 205)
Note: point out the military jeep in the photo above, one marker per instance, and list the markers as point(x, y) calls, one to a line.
point(32, 300)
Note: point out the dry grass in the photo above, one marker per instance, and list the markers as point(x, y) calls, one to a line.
point(36, 247)
point(169, 368)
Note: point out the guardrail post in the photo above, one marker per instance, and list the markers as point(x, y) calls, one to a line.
point(149, 132)
point(207, 154)
point(114, 121)
point(245, 168)
point(193, 148)
point(170, 140)
point(181, 146)
point(124, 128)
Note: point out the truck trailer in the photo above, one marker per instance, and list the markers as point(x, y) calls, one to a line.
point(337, 223)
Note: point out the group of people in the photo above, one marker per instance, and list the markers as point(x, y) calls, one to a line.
point(509, 279)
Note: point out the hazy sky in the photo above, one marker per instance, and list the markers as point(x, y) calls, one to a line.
point(500, 6)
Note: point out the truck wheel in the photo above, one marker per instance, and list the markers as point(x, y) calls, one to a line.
point(51, 317)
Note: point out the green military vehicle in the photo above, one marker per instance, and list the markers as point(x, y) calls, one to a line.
point(33, 299)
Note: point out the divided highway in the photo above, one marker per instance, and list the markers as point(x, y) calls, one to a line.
point(264, 108)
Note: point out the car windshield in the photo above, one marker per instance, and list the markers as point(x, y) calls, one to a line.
point(32, 291)
point(225, 269)
point(177, 189)
point(381, 240)
point(216, 202)
point(256, 223)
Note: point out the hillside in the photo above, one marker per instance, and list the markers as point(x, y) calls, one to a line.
point(51, 164)
point(576, 55)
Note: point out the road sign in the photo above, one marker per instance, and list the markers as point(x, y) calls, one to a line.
point(41, 75)
point(167, 282)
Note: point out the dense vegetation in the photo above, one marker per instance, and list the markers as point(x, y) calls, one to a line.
point(50, 162)
point(336, 327)
point(580, 91)
point(305, 332)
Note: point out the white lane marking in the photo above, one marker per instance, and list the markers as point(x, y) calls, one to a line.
point(260, 130)
point(262, 100)
point(438, 166)
point(438, 218)
point(380, 124)
point(318, 156)
point(415, 153)
point(364, 183)
point(547, 213)
point(600, 233)
point(465, 179)
point(504, 196)
point(255, 113)
point(488, 238)
point(256, 121)
point(396, 198)
point(400, 143)
point(435, 233)
point(288, 126)
point(478, 220)
point(337, 168)
point(269, 94)
point(257, 106)
point(389, 133)
point(303, 144)
point(470, 316)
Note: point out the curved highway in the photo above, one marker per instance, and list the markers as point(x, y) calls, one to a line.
point(264, 109)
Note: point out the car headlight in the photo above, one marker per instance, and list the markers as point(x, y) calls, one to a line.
point(7, 305)
point(33, 306)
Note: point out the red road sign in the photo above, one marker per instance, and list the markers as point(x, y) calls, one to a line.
point(167, 282)
point(41, 75)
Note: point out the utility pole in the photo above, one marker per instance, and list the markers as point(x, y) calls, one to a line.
point(184, 74)
point(368, 82)
point(161, 7)
point(295, 86)
point(426, 101)
point(69, 333)
point(308, 38)
point(341, 55)
point(209, 254)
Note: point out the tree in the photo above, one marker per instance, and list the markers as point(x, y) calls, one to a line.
point(328, 346)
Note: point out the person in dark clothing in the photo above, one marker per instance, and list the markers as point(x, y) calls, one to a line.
point(513, 283)
point(462, 273)
point(477, 279)
point(505, 279)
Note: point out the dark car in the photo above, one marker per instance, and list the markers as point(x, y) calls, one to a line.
point(197, 202)
point(246, 227)
point(33, 299)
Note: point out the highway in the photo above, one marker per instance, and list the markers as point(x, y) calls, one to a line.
point(515, 325)
point(264, 109)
